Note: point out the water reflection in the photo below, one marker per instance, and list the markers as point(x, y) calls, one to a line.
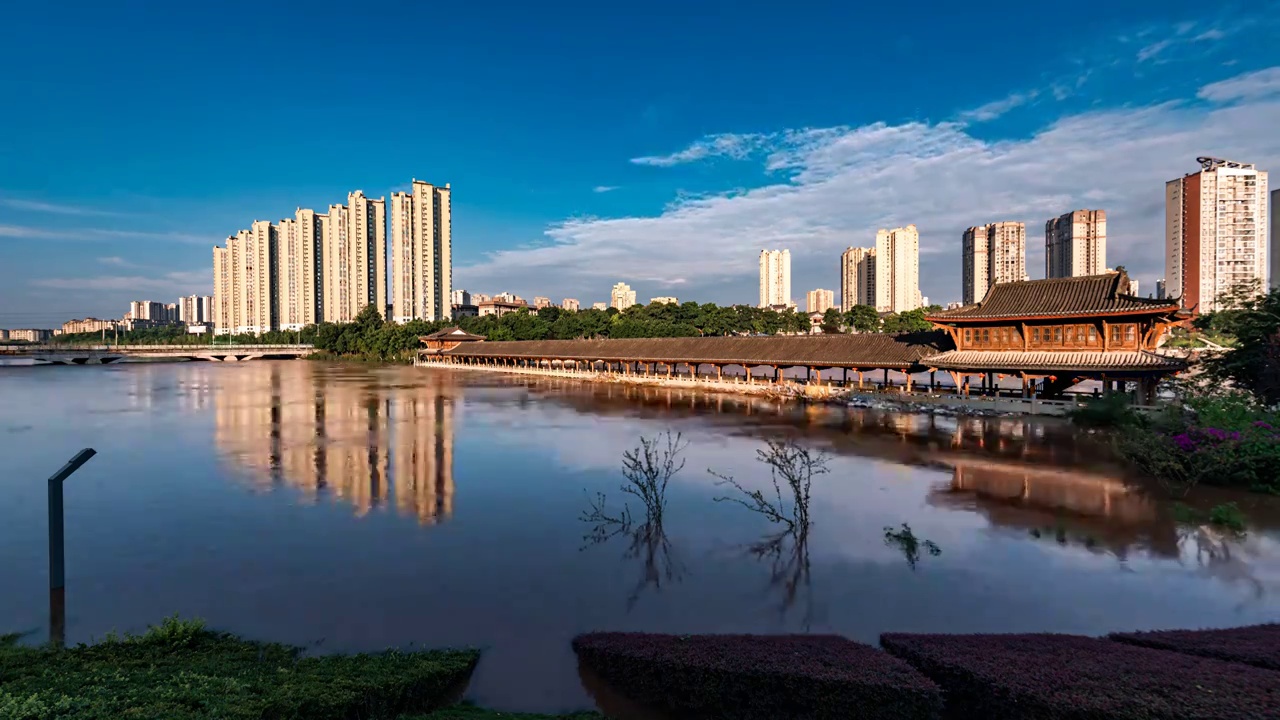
point(301, 427)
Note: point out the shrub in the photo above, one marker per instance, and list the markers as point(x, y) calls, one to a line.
point(471, 712)
point(759, 676)
point(181, 671)
point(1107, 411)
point(1257, 645)
point(1048, 677)
point(1246, 458)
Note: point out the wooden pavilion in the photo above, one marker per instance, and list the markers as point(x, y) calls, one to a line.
point(1062, 331)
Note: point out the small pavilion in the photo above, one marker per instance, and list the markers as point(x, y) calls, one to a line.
point(1060, 332)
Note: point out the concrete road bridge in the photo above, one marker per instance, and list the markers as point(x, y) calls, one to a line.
point(104, 354)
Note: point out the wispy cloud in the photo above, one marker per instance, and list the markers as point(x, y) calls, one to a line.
point(604, 188)
point(996, 108)
point(74, 234)
point(38, 206)
point(173, 283)
point(1250, 86)
point(115, 261)
point(735, 146)
point(842, 183)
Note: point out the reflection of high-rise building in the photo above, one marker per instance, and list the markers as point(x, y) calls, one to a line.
point(293, 425)
point(422, 457)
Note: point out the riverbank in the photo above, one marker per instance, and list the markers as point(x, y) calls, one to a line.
point(895, 398)
point(180, 670)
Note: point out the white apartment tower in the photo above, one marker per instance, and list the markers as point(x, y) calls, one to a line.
point(992, 254)
point(857, 278)
point(898, 269)
point(775, 278)
point(622, 297)
point(337, 267)
point(1215, 232)
point(221, 311)
point(1275, 238)
point(367, 234)
point(819, 301)
point(421, 253)
point(1075, 244)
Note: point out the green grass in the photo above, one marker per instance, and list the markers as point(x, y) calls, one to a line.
point(179, 670)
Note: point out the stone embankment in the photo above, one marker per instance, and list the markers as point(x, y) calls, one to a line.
point(894, 399)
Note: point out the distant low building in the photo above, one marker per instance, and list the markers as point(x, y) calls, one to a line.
point(540, 302)
point(570, 304)
point(30, 334)
point(4, 334)
point(498, 308)
point(600, 306)
point(87, 325)
point(466, 311)
point(817, 301)
point(664, 299)
point(447, 339)
point(815, 322)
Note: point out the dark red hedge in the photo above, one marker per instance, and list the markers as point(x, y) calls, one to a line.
point(1061, 677)
point(1253, 645)
point(773, 677)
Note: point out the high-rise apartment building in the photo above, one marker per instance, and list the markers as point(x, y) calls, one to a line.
point(540, 302)
point(1215, 232)
point(220, 314)
point(775, 278)
point(367, 234)
point(1275, 238)
point(570, 304)
point(258, 271)
point(422, 253)
point(819, 300)
point(1076, 244)
point(338, 297)
point(991, 254)
point(1161, 290)
point(195, 309)
point(898, 269)
point(857, 277)
point(622, 297)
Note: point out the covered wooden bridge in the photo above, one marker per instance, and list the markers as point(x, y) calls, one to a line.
point(707, 357)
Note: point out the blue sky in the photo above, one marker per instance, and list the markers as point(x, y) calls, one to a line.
point(662, 144)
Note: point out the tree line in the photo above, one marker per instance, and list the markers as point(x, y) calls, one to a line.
point(372, 337)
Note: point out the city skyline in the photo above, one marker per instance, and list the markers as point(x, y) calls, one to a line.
point(693, 182)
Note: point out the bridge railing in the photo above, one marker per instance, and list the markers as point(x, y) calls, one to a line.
point(193, 347)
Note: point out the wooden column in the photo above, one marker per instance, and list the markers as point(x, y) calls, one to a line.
point(1025, 389)
point(859, 379)
point(933, 380)
point(719, 372)
point(886, 377)
point(845, 381)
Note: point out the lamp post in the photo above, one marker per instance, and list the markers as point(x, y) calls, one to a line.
point(57, 574)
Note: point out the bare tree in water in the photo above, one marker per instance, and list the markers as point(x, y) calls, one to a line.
point(647, 468)
point(792, 468)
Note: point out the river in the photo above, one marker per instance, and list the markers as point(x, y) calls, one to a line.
point(349, 507)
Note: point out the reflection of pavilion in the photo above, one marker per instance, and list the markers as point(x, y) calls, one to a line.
point(300, 425)
point(1077, 506)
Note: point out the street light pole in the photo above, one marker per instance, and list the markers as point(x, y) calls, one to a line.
point(57, 562)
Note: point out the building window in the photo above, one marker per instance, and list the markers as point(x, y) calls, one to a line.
point(1035, 336)
point(986, 336)
point(1057, 335)
point(968, 337)
point(1129, 333)
point(1093, 335)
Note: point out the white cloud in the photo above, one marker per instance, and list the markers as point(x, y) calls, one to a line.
point(996, 108)
point(45, 207)
point(604, 188)
point(731, 145)
point(1250, 86)
point(838, 185)
point(1147, 52)
point(116, 261)
point(174, 283)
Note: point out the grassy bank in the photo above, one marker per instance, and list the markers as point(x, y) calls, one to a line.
point(181, 670)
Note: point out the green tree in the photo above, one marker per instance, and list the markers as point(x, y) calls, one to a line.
point(832, 320)
point(907, 321)
point(1254, 363)
point(863, 319)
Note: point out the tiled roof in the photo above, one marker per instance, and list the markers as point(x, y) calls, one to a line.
point(863, 350)
point(1091, 294)
point(1090, 360)
point(451, 333)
